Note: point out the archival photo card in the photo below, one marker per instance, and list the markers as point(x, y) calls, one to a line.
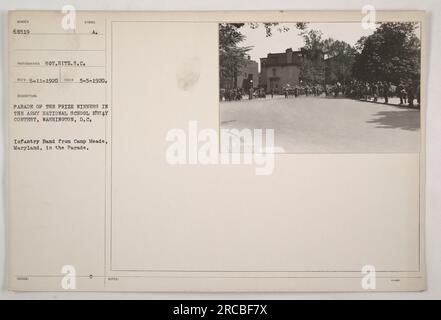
point(216, 151)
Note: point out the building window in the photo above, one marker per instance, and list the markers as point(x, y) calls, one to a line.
point(274, 72)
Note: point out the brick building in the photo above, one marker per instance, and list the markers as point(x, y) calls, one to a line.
point(280, 69)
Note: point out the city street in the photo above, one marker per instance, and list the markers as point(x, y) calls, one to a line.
point(327, 125)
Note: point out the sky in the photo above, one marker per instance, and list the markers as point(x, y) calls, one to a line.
point(349, 32)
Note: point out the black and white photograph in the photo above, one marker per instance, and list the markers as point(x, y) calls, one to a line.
point(334, 87)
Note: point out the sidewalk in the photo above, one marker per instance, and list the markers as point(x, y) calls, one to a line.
point(394, 101)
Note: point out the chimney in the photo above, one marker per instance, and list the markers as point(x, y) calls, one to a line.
point(288, 55)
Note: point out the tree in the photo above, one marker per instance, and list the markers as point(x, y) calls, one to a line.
point(231, 55)
point(340, 58)
point(312, 69)
point(280, 28)
point(391, 53)
point(325, 59)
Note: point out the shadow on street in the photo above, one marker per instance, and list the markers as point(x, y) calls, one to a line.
point(404, 119)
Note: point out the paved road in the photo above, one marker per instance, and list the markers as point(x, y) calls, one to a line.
point(328, 125)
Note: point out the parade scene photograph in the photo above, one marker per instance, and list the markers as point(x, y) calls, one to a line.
point(323, 87)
